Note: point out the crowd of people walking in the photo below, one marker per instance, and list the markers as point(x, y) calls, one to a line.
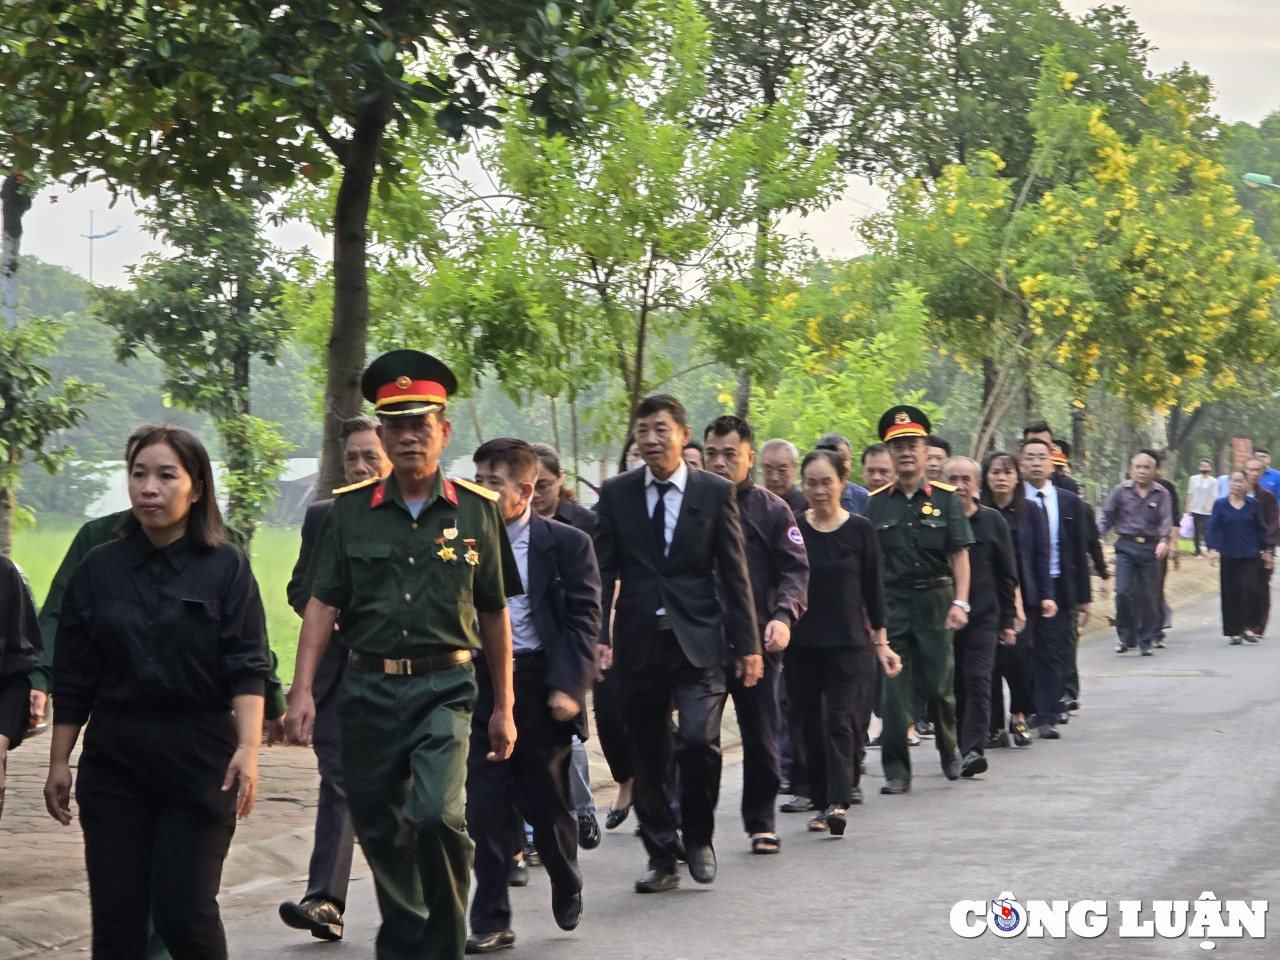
point(455, 634)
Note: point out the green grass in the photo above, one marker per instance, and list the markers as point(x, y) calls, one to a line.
point(39, 550)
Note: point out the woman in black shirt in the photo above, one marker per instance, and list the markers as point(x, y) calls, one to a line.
point(20, 650)
point(161, 650)
point(830, 665)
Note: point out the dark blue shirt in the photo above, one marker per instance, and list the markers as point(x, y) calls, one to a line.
point(1236, 534)
point(854, 498)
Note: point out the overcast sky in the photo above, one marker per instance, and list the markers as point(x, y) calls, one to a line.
point(1236, 42)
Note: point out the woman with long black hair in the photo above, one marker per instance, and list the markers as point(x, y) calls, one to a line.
point(1029, 528)
point(161, 651)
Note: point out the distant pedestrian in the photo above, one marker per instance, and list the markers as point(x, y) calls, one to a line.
point(936, 451)
point(877, 467)
point(1202, 493)
point(1270, 476)
point(693, 455)
point(854, 496)
point(1236, 534)
point(1139, 512)
point(1269, 507)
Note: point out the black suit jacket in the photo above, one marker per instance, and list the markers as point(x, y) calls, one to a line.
point(334, 661)
point(707, 540)
point(1073, 550)
point(564, 598)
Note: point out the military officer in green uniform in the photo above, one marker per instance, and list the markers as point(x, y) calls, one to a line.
point(923, 534)
point(418, 569)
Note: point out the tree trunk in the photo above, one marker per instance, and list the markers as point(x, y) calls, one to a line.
point(1079, 424)
point(573, 439)
point(555, 423)
point(15, 201)
point(349, 333)
point(9, 500)
point(239, 456)
point(742, 394)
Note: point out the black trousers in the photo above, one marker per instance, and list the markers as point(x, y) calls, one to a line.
point(975, 649)
point(1139, 593)
point(1259, 625)
point(669, 681)
point(759, 722)
point(1201, 521)
point(1013, 666)
point(1244, 587)
point(833, 690)
point(157, 826)
point(1051, 653)
point(531, 786)
point(330, 870)
point(611, 726)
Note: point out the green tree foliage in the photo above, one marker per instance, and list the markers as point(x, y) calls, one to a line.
point(32, 409)
point(1128, 265)
point(206, 313)
point(164, 94)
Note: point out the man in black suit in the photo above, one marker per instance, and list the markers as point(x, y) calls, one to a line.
point(554, 626)
point(1051, 650)
point(666, 532)
point(321, 908)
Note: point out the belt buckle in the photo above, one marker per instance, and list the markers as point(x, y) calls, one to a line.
point(398, 668)
point(1139, 539)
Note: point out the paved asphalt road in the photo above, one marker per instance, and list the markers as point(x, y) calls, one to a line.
point(1165, 785)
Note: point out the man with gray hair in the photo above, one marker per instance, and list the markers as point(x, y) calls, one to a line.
point(780, 462)
point(853, 497)
point(1140, 513)
point(993, 585)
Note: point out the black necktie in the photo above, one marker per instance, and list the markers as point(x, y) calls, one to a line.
point(1043, 503)
point(658, 519)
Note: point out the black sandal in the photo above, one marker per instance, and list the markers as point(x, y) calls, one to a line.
point(765, 843)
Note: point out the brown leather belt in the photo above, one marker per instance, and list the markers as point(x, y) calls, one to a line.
point(409, 666)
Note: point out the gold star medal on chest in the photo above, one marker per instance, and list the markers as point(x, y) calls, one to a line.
point(446, 552)
point(930, 510)
point(472, 556)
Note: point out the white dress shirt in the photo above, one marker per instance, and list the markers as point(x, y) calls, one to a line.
point(671, 503)
point(524, 637)
point(1049, 504)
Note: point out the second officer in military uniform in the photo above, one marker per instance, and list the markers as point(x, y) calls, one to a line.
point(414, 565)
point(923, 534)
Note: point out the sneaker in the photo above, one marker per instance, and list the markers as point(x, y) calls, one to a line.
point(797, 804)
point(519, 875)
point(997, 740)
point(1236, 641)
point(531, 856)
point(1121, 647)
point(818, 823)
point(924, 729)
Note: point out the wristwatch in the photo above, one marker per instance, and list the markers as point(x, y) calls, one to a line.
point(962, 605)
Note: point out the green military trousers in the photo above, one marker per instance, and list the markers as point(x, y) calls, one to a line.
point(915, 626)
point(404, 765)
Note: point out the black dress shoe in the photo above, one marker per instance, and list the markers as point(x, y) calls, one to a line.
point(1064, 718)
point(567, 910)
point(855, 797)
point(658, 881)
point(321, 917)
point(893, 785)
point(531, 856)
point(616, 815)
point(1021, 735)
point(997, 739)
point(702, 863)
point(1049, 733)
point(490, 942)
point(1072, 706)
point(974, 764)
point(924, 728)
point(951, 766)
point(519, 875)
point(588, 831)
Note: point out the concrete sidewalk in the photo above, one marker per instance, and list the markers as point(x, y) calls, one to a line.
point(43, 892)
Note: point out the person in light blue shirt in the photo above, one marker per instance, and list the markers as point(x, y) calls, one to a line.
point(854, 497)
point(1270, 476)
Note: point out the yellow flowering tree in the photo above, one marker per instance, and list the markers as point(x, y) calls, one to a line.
point(1125, 263)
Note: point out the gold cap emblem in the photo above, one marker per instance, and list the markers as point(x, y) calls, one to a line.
point(404, 383)
point(902, 417)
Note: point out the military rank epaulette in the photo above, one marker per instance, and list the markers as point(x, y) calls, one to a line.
point(882, 489)
point(355, 486)
point(475, 488)
point(950, 488)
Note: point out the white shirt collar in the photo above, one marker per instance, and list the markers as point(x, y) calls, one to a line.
point(1049, 490)
point(677, 479)
point(519, 527)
